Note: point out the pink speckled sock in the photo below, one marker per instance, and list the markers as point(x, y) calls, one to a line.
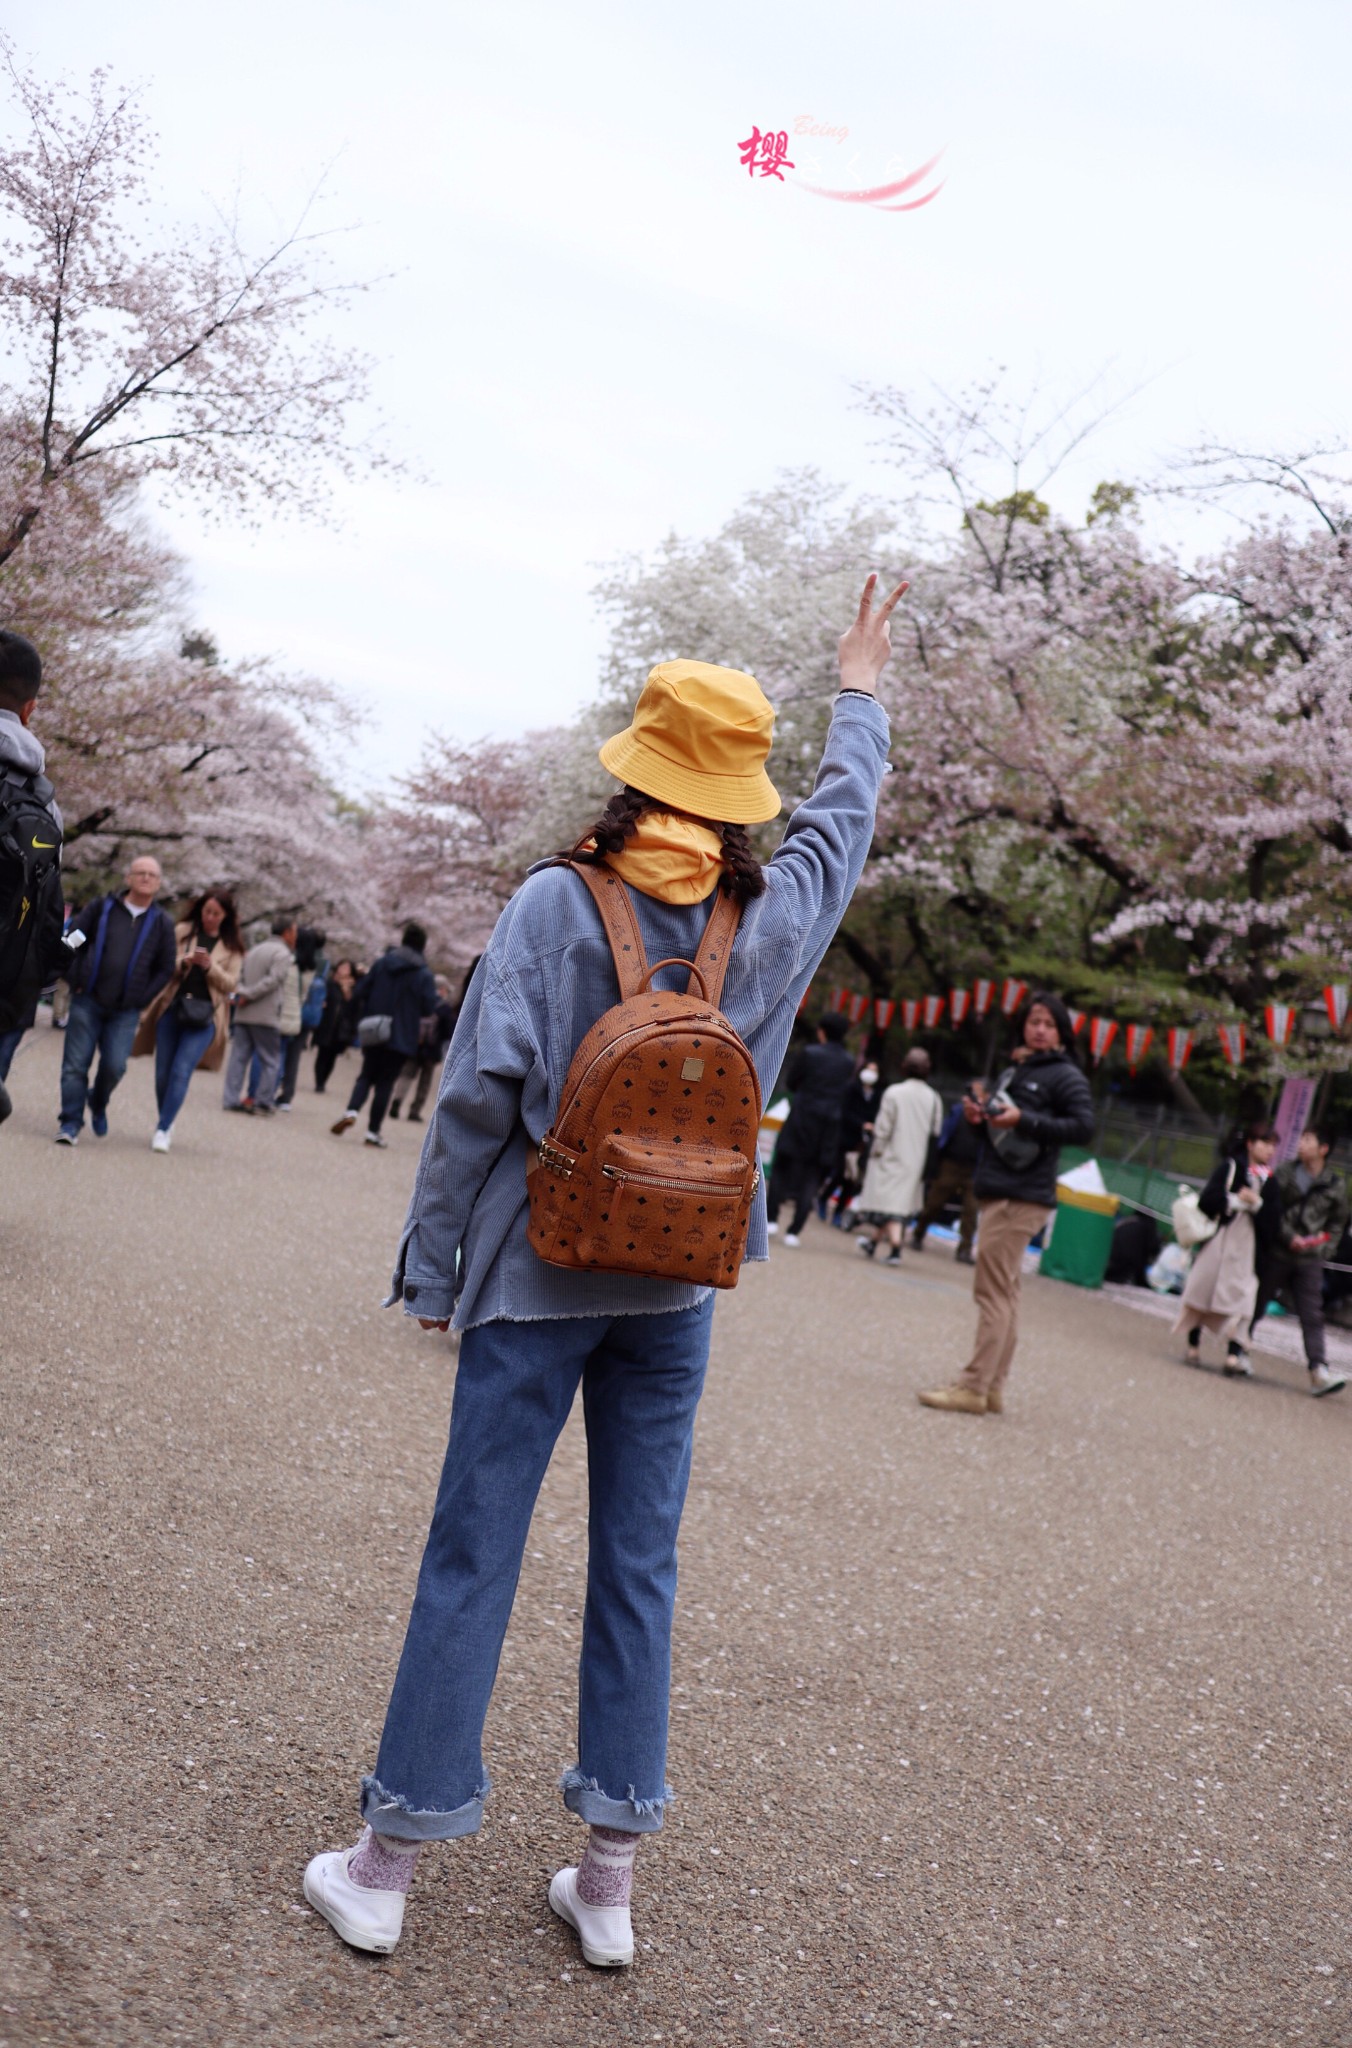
point(605, 1876)
point(383, 1863)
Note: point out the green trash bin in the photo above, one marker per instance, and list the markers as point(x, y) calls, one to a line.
point(1081, 1239)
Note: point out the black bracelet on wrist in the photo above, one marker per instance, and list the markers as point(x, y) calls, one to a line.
point(849, 690)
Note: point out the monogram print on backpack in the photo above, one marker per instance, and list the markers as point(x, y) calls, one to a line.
point(651, 1164)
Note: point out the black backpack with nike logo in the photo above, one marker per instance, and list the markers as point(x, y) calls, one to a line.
point(32, 903)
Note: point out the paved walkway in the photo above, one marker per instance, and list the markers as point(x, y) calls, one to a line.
point(1002, 1731)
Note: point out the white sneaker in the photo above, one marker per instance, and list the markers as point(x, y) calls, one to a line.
point(789, 1238)
point(160, 1142)
point(606, 1932)
point(772, 1229)
point(364, 1918)
point(1324, 1380)
point(344, 1123)
point(374, 1138)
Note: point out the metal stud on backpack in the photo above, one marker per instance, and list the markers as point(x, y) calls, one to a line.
point(651, 1164)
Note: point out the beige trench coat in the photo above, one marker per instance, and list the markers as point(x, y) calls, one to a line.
point(910, 1114)
point(1222, 1286)
point(222, 977)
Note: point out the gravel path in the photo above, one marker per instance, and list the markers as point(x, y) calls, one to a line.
point(1002, 1731)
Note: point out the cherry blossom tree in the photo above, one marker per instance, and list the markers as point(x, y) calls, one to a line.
point(195, 364)
point(459, 835)
point(198, 362)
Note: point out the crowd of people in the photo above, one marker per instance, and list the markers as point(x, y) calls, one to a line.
point(128, 980)
point(196, 997)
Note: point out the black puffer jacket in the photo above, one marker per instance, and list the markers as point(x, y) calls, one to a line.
point(1055, 1109)
point(399, 986)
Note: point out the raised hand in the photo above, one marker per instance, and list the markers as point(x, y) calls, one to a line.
point(865, 648)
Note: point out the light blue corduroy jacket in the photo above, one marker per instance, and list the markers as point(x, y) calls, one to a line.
point(546, 977)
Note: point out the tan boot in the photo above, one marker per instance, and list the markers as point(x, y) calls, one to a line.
point(961, 1400)
point(995, 1401)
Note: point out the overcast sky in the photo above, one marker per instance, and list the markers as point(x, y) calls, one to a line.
point(596, 327)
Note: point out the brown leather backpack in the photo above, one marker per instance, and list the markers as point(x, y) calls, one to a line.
point(651, 1163)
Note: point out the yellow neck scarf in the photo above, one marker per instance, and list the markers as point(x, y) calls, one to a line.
point(675, 859)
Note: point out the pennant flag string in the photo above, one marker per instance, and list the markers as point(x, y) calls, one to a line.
point(974, 1003)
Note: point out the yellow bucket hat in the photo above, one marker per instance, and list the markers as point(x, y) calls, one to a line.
point(698, 741)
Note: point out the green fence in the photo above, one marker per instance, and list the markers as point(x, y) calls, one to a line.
point(1140, 1186)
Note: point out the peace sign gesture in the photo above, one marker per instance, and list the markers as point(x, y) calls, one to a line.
point(865, 648)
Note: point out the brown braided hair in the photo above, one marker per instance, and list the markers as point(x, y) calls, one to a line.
point(742, 877)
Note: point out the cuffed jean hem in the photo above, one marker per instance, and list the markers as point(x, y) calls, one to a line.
point(388, 1814)
point(631, 1816)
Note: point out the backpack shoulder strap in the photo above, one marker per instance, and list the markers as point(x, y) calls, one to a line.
point(621, 925)
point(715, 948)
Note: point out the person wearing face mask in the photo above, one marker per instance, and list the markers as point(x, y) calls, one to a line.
point(1040, 1103)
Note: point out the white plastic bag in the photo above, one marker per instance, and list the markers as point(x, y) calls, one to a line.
point(1169, 1273)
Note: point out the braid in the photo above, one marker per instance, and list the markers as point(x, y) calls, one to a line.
point(745, 877)
point(616, 825)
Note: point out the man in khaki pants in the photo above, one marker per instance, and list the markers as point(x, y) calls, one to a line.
point(1038, 1105)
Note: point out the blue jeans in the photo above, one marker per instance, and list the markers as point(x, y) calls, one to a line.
point(641, 1381)
point(92, 1029)
point(178, 1048)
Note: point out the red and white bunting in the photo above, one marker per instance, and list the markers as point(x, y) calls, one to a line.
point(982, 995)
point(1102, 1032)
point(1078, 1020)
point(934, 1010)
point(1279, 1019)
point(910, 1011)
point(883, 1013)
point(1138, 1044)
point(859, 1008)
point(1335, 1002)
point(1011, 995)
point(1180, 1047)
point(840, 999)
point(1233, 1040)
point(959, 1003)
